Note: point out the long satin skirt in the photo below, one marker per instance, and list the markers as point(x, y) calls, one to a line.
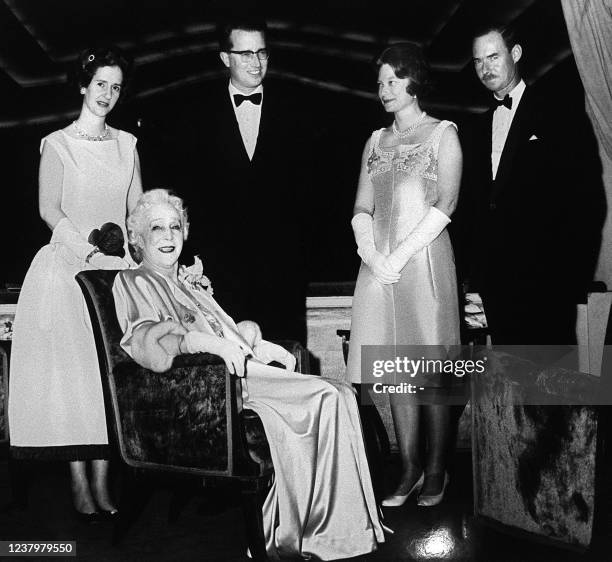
point(321, 503)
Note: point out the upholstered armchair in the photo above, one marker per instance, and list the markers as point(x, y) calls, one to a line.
point(541, 450)
point(185, 422)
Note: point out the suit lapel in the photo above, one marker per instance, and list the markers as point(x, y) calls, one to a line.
point(229, 129)
point(513, 140)
point(262, 133)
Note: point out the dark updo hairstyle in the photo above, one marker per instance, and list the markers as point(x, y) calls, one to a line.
point(407, 61)
point(93, 58)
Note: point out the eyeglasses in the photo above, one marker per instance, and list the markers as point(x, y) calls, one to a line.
point(249, 56)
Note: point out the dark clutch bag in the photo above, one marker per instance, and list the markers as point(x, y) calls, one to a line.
point(109, 239)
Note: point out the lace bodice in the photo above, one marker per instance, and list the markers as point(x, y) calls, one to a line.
point(411, 159)
point(405, 184)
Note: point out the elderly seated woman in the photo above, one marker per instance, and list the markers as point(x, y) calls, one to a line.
point(321, 502)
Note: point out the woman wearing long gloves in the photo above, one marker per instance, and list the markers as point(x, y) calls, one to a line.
point(406, 292)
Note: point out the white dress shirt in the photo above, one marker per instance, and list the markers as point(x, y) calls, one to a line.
point(248, 116)
point(502, 120)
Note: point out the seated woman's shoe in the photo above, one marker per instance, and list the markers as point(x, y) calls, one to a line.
point(397, 500)
point(430, 500)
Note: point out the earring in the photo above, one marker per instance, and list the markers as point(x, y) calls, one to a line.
point(83, 90)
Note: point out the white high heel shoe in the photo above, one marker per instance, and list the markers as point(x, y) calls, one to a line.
point(434, 499)
point(400, 499)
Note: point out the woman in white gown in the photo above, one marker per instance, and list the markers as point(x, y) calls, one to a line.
point(321, 503)
point(89, 175)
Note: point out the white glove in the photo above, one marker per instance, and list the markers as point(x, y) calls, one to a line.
point(364, 236)
point(250, 331)
point(382, 270)
point(66, 233)
point(150, 352)
point(424, 233)
point(231, 352)
point(267, 352)
point(102, 261)
point(363, 228)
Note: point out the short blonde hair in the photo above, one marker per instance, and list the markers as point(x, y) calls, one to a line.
point(136, 219)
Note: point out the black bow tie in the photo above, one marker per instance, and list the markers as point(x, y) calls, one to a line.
point(506, 102)
point(253, 98)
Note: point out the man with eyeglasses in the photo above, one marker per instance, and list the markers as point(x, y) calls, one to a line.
point(244, 52)
point(246, 157)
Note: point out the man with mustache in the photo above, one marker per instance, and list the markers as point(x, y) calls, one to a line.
point(527, 257)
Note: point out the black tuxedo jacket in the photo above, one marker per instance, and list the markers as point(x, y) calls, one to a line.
point(533, 235)
point(524, 234)
point(247, 216)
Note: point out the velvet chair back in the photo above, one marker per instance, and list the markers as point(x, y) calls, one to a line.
point(184, 420)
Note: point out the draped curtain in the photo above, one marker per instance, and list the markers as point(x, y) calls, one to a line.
point(589, 23)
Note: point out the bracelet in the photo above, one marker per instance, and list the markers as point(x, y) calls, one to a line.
point(92, 254)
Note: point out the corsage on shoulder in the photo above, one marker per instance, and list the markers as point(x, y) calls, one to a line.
point(194, 278)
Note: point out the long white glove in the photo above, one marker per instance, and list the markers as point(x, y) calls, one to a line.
point(66, 233)
point(267, 352)
point(424, 233)
point(363, 229)
point(230, 351)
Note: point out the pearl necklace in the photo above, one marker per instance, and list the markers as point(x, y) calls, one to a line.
point(407, 132)
point(84, 135)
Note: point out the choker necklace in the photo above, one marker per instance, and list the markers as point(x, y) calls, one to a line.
point(407, 132)
point(84, 135)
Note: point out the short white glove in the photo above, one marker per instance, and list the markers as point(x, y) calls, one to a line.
point(150, 352)
point(267, 352)
point(250, 331)
point(363, 229)
point(102, 261)
point(424, 233)
point(231, 352)
point(66, 233)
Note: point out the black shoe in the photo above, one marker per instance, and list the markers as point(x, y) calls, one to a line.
point(108, 515)
point(87, 518)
